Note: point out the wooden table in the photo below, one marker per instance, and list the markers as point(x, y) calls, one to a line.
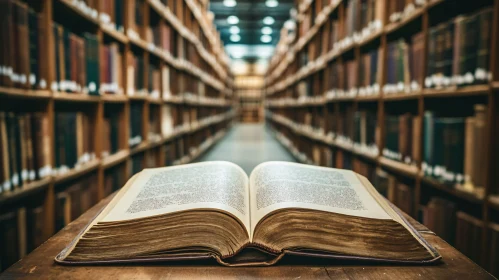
point(40, 264)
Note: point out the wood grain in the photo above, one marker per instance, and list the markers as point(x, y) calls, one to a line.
point(40, 264)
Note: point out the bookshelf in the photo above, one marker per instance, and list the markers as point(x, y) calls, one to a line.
point(327, 114)
point(160, 103)
point(249, 90)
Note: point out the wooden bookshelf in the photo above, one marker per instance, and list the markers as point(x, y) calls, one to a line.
point(307, 128)
point(207, 65)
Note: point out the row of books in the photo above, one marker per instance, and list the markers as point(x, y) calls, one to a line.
point(73, 139)
point(454, 148)
point(112, 13)
point(111, 69)
point(24, 149)
point(401, 134)
point(23, 52)
point(464, 231)
point(75, 199)
point(111, 133)
point(21, 231)
point(371, 13)
point(135, 124)
point(76, 61)
point(404, 65)
point(459, 51)
point(366, 132)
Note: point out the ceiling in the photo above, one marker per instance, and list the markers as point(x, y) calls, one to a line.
point(250, 14)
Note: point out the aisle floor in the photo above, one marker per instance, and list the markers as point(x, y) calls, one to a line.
point(248, 145)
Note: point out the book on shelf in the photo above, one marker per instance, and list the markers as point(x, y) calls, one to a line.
point(401, 138)
point(74, 200)
point(135, 18)
point(439, 215)
point(255, 214)
point(111, 61)
point(23, 51)
point(135, 75)
point(137, 164)
point(154, 81)
point(459, 51)
point(469, 236)
point(453, 148)
point(24, 149)
point(490, 262)
point(112, 14)
point(21, 231)
point(73, 141)
point(135, 124)
point(110, 133)
point(76, 61)
point(404, 65)
point(113, 179)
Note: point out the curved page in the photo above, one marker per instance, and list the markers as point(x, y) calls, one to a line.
point(278, 185)
point(213, 185)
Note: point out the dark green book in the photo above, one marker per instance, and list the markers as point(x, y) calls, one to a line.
point(92, 63)
point(67, 59)
point(428, 136)
point(484, 25)
point(453, 147)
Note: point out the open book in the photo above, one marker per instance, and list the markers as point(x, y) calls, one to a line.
point(213, 210)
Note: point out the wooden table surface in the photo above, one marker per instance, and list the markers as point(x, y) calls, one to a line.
point(40, 264)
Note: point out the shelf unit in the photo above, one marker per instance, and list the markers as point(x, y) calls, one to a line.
point(190, 23)
point(249, 91)
point(282, 99)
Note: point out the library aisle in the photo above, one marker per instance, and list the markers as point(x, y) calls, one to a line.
point(248, 145)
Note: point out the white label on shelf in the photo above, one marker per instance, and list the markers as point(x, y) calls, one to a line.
point(15, 179)
point(54, 86)
point(7, 186)
point(32, 79)
point(32, 175)
point(24, 174)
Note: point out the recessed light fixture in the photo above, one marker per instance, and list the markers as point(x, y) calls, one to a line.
point(266, 38)
point(235, 38)
point(230, 3)
point(271, 3)
point(234, 30)
point(268, 20)
point(266, 30)
point(232, 20)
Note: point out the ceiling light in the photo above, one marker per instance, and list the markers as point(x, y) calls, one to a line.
point(230, 3)
point(232, 20)
point(234, 30)
point(235, 38)
point(266, 38)
point(271, 3)
point(268, 20)
point(266, 30)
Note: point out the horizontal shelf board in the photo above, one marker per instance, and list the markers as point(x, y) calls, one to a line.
point(494, 201)
point(75, 97)
point(154, 100)
point(115, 34)
point(69, 4)
point(74, 173)
point(495, 85)
point(453, 190)
point(403, 96)
point(114, 98)
point(453, 92)
point(19, 193)
point(392, 27)
point(410, 171)
point(371, 38)
point(142, 97)
point(366, 156)
point(139, 148)
point(434, 3)
point(25, 93)
point(115, 159)
point(367, 98)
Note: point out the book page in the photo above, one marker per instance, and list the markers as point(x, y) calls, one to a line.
point(278, 185)
point(208, 185)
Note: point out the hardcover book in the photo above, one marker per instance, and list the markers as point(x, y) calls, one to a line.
point(214, 210)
